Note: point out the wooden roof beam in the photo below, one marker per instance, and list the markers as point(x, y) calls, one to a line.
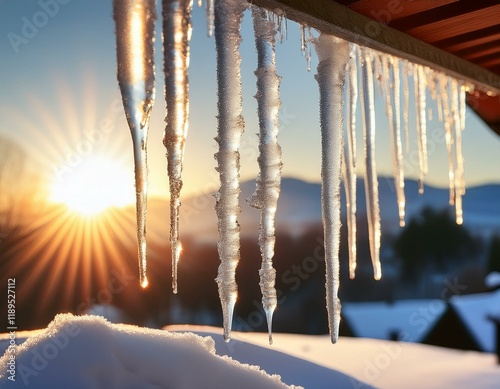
point(330, 17)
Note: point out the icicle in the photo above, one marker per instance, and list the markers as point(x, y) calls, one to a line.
point(267, 192)
point(303, 38)
point(377, 69)
point(305, 44)
point(449, 138)
point(279, 17)
point(176, 36)
point(406, 92)
point(371, 181)
point(135, 22)
point(459, 164)
point(200, 3)
point(228, 17)
point(210, 17)
point(462, 97)
point(349, 159)
point(333, 55)
point(391, 91)
point(420, 85)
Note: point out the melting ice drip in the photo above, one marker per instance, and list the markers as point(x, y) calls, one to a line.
point(135, 22)
point(339, 63)
point(176, 36)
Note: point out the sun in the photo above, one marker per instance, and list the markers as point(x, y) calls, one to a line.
point(93, 186)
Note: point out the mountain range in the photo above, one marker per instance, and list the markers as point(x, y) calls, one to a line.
point(299, 208)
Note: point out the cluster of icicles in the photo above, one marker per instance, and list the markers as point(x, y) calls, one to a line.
point(345, 71)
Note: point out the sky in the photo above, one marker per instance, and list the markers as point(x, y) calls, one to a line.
point(59, 100)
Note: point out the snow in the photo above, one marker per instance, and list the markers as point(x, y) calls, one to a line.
point(95, 354)
point(89, 353)
point(475, 311)
point(411, 320)
point(492, 280)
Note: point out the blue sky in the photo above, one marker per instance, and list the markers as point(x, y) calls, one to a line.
point(58, 89)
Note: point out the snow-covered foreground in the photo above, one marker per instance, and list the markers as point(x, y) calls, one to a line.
point(89, 352)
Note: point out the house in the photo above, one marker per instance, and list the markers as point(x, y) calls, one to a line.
point(468, 323)
point(405, 320)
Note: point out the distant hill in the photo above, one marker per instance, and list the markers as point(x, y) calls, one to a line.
point(299, 207)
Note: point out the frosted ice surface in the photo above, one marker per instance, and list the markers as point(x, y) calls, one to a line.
point(176, 36)
point(333, 55)
point(228, 17)
point(267, 192)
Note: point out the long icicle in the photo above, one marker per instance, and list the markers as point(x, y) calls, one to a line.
point(459, 165)
point(349, 159)
point(398, 147)
point(210, 17)
point(392, 96)
point(371, 181)
point(333, 55)
point(267, 191)
point(444, 96)
point(135, 22)
point(406, 93)
point(176, 36)
point(419, 82)
point(228, 17)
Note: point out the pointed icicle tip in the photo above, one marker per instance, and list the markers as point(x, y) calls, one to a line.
point(176, 253)
point(334, 335)
point(227, 336)
point(144, 282)
point(269, 318)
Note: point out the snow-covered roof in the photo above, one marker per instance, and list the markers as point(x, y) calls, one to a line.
point(492, 280)
point(410, 319)
point(475, 310)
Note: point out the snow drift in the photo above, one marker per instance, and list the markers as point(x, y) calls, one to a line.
point(88, 352)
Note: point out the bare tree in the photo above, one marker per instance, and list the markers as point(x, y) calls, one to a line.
point(13, 186)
